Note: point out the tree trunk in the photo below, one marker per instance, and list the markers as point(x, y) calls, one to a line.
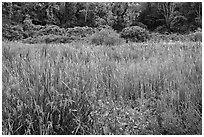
point(10, 10)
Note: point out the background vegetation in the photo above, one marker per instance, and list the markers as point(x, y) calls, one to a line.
point(23, 20)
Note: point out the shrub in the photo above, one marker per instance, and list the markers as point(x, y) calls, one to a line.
point(157, 37)
point(100, 21)
point(51, 39)
point(33, 30)
point(51, 29)
point(99, 28)
point(80, 31)
point(135, 34)
point(13, 32)
point(161, 29)
point(55, 34)
point(183, 29)
point(140, 24)
point(30, 28)
point(178, 37)
point(105, 37)
point(196, 36)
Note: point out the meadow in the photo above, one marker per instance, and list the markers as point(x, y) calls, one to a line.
point(144, 88)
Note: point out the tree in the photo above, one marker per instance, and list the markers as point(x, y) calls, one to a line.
point(149, 15)
point(10, 10)
point(69, 18)
point(171, 16)
point(197, 12)
point(119, 10)
point(132, 14)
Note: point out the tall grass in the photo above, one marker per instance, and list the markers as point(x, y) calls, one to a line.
point(138, 88)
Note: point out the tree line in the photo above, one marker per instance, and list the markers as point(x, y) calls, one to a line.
point(178, 17)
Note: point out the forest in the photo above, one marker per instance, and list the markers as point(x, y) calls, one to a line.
point(101, 68)
point(69, 21)
point(172, 17)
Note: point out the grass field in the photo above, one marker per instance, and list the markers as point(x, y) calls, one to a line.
point(134, 88)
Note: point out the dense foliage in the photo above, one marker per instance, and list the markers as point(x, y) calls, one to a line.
point(105, 37)
point(135, 34)
point(169, 16)
point(12, 32)
point(80, 31)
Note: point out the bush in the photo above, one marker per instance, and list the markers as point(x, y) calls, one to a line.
point(140, 24)
point(99, 28)
point(105, 37)
point(51, 29)
point(196, 36)
point(30, 28)
point(177, 37)
point(51, 39)
point(135, 34)
point(156, 37)
point(161, 29)
point(55, 34)
point(80, 31)
point(13, 32)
